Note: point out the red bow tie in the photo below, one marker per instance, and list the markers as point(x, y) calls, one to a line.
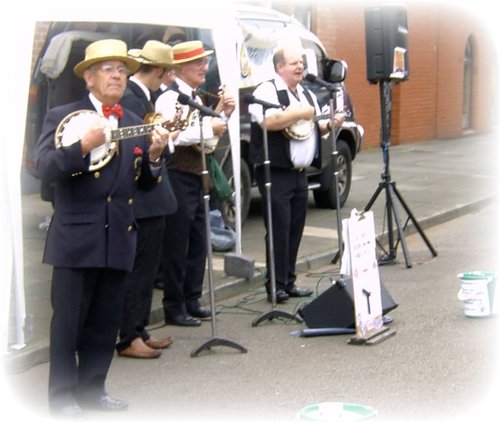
point(116, 109)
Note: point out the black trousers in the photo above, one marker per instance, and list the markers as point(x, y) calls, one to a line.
point(289, 195)
point(87, 306)
point(140, 282)
point(184, 245)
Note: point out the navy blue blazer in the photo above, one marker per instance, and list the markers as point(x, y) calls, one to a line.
point(93, 225)
point(161, 200)
point(134, 99)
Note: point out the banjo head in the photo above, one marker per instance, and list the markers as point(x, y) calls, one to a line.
point(300, 130)
point(72, 128)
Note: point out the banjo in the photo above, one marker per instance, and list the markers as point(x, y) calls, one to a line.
point(210, 144)
point(74, 125)
point(302, 129)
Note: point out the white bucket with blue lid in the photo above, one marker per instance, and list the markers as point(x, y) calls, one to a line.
point(477, 292)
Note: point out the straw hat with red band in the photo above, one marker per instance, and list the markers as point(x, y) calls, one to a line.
point(189, 51)
point(103, 50)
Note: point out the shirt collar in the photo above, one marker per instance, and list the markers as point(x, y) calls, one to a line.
point(96, 103)
point(184, 87)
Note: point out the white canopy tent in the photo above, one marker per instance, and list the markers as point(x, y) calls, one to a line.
point(19, 26)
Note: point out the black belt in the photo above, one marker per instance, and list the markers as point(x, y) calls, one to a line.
point(298, 169)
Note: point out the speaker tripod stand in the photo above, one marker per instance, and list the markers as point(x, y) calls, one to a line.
point(391, 193)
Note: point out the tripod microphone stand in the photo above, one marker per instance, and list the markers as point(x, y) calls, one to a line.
point(389, 187)
point(273, 313)
point(214, 340)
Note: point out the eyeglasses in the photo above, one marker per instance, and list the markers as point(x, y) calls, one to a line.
point(200, 62)
point(108, 69)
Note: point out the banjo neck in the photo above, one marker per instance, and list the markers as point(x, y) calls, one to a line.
point(145, 129)
point(327, 116)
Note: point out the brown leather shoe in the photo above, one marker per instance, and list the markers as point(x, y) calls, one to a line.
point(139, 350)
point(159, 344)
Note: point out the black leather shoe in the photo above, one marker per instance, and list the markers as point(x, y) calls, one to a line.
point(183, 320)
point(298, 292)
point(281, 296)
point(200, 312)
point(105, 403)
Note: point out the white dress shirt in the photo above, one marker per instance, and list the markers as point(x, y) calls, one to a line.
point(167, 105)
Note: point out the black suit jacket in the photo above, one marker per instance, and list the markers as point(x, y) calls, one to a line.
point(93, 223)
point(161, 200)
point(134, 99)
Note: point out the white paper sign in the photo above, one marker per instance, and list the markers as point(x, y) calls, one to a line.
point(360, 243)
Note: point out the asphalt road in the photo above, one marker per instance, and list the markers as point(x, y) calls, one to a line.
point(439, 365)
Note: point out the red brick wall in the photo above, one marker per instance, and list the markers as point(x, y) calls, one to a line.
point(429, 104)
point(41, 29)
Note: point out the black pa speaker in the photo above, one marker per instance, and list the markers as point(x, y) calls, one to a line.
point(334, 308)
point(386, 35)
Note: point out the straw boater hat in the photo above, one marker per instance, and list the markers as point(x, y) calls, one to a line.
point(154, 53)
point(188, 51)
point(102, 50)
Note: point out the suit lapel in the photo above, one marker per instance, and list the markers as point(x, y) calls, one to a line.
point(124, 155)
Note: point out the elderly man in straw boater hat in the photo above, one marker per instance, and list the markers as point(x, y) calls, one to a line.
point(91, 240)
point(150, 209)
point(184, 239)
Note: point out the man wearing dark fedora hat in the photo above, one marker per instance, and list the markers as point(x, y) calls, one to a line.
point(150, 209)
point(91, 240)
point(184, 238)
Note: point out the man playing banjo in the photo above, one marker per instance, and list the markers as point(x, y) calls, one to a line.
point(91, 240)
point(290, 152)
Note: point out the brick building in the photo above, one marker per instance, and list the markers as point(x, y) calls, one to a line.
point(452, 88)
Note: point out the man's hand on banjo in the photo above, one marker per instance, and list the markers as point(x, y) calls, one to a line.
point(94, 137)
point(159, 140)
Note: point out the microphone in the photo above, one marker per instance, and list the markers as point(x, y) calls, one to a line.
point(250, 99)
point(186, 100)
point(315, 80)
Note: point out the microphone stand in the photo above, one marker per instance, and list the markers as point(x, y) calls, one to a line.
point(333, 137)
point(214, 340)
point(273, 313)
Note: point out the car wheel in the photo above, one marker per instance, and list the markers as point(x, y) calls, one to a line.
point(325, 198)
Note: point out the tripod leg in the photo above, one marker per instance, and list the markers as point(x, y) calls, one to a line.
point(415, 222)
point(374, 196)
point(336, 257)
point(390, 191)
point(389, 256)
